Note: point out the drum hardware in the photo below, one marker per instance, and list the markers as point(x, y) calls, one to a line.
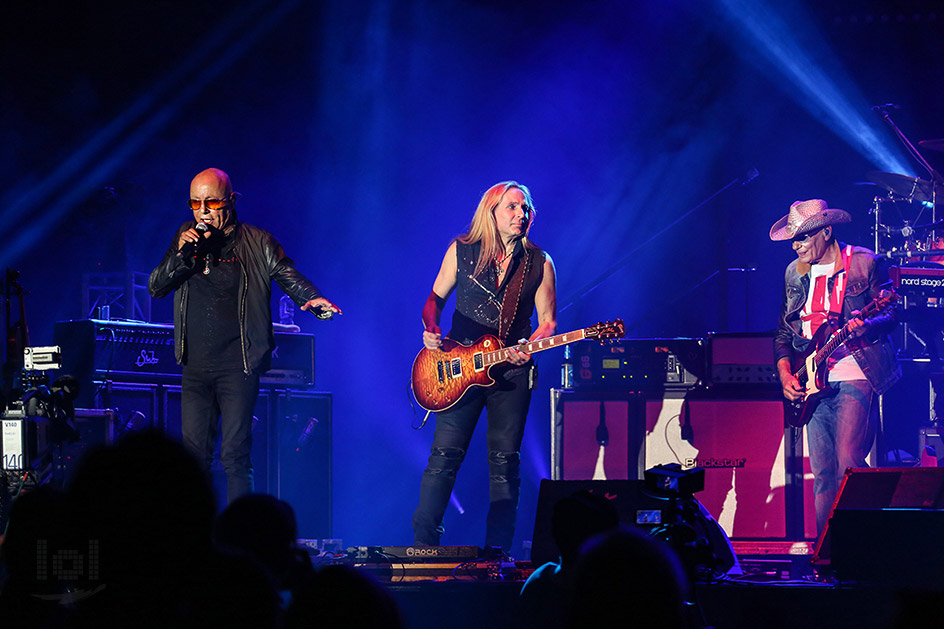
point(913, 188)
point(909, 188)
point(920, 276)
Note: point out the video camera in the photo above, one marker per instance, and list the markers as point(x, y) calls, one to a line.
point(32, 426)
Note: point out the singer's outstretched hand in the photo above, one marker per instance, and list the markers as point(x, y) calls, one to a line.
point(321, 304)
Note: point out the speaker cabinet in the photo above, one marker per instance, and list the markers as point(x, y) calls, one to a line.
point(134, 405)
point(755, 476)
point(302, 451)
point(596, 435)
point(291, 441)
point(96, 428)
point(740, 444)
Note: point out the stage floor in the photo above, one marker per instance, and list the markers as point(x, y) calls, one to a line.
point(740, 604)
point(779, 588)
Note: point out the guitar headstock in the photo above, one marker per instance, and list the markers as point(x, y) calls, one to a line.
point(884, 299)
point(606, 330)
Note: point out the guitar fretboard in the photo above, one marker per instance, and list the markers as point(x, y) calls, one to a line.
point(826, 350)
point(500, 355)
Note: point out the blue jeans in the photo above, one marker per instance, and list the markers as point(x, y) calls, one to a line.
point(840, 434)
point(220, 402)
point(507, 404)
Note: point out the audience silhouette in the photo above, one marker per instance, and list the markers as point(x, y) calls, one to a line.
point(263, 528)
point(627, 578)
point(339, 597)
point(575, 519)
point(31, 592)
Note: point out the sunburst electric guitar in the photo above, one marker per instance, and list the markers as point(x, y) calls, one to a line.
point(810, 367)
point(441, 377)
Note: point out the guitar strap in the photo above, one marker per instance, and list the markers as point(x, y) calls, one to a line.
point(839, 290)
point(512, 295)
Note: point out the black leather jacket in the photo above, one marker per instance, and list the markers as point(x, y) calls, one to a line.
point(262, 260)
point(873, 351)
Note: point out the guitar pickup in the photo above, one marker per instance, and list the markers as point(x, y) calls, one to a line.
point(477, 363)
point(441, 370)
point(456, 364)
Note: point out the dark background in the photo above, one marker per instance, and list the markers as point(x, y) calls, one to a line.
point(362, 134)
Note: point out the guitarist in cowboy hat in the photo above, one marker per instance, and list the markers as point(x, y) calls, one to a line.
point(500, 278)
point(827, 285)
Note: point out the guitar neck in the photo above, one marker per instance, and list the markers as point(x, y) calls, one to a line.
point(825, 351)
point(838, 339)
point(531, 347)
point(877, 305)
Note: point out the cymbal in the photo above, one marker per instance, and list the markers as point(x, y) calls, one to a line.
point(934, 145)
point(912, 188)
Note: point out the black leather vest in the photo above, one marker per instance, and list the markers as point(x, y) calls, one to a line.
point(479, 302)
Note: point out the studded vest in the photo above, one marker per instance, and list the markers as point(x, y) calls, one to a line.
point(479, 298)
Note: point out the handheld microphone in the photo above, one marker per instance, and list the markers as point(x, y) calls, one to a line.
point(190, 248)
point(322, 313)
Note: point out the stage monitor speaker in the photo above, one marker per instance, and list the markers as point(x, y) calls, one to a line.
point(635, 506)
point(741, 446)
point(888, 546)
point(879, 489)
point(596, 435)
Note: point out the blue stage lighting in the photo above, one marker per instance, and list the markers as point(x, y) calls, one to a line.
point(89, 167)
point(801, 55)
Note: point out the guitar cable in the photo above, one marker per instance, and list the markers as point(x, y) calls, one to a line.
point(410, 398)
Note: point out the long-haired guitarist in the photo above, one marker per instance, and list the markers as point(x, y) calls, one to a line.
point(824, 288)
point(500, 278)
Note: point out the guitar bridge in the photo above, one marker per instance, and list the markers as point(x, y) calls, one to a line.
point(441, 371)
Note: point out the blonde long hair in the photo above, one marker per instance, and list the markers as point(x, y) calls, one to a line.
point(483, 229)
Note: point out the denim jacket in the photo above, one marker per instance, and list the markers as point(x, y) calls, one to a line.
point(873, 351)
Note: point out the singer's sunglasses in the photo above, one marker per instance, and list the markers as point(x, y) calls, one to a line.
point(211, 204)
point(799, 238)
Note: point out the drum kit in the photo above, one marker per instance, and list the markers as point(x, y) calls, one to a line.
point(909, 231)
point(906, 218)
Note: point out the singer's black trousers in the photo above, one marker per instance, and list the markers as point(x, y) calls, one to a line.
point(220, 403)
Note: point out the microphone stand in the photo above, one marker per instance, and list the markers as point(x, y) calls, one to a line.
point(619, 264)
point(911, 148)
point(908, 253)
